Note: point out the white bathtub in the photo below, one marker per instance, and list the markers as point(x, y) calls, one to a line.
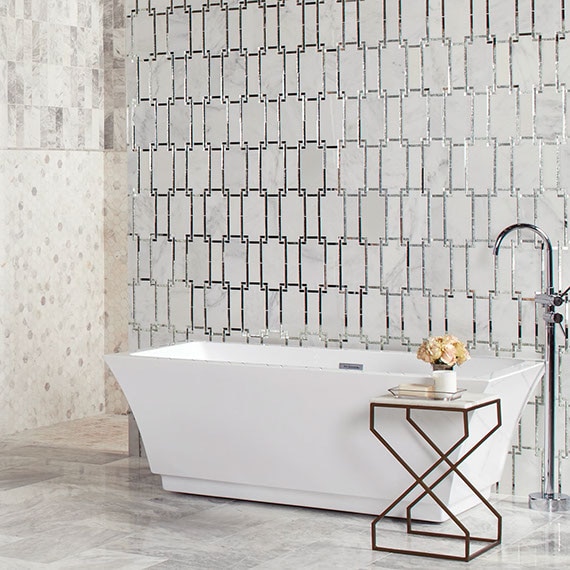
point(287, 425)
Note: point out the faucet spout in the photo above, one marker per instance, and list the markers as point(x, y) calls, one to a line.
point(546, 243)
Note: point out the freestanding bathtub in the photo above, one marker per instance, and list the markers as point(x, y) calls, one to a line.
point(291, 425)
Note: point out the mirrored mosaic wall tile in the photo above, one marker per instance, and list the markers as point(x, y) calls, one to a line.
point(336, 172)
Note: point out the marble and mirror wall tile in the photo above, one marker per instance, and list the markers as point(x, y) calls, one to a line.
point(335, 172)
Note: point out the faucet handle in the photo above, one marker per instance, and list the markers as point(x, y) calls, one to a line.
point(551, 317)
point(549, 300)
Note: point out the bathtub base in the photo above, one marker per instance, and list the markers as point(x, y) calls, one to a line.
point(293, 497)
point(311, 499)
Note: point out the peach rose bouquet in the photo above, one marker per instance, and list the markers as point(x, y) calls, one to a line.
point(443, 351)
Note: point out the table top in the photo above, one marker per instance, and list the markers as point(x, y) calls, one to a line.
point(466, 401)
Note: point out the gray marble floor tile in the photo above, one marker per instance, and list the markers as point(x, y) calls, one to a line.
point(137, 514)
point(172, 545)
point(19, 499)
point(103, 433)
point(13, 564)
point(5, 539)
point(108, 559)
point(324, 555)
point(20, 477)
point(68, 454)
point(262, 543)
point(8, 461)
point(57, 543)
point(171, 565)
point(41, 512)
point(547, 547)
point(63, 505)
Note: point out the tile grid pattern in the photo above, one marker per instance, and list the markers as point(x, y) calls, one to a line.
point(335, 172)
point(52, 74)
point(63, 74)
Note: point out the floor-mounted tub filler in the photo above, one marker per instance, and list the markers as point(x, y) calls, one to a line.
point(291, 425)
point(549, 498)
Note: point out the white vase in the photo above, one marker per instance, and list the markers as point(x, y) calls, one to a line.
point(444, 383)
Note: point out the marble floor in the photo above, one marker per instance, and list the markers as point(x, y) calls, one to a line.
point(70, 497)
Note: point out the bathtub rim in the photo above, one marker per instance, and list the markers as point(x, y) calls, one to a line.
point(421, 370)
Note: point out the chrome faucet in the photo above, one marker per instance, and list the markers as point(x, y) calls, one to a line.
point(548, 499)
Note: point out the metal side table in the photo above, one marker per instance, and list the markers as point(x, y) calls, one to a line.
point(464, 406)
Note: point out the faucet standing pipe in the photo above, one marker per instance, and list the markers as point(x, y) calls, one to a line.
point(548, 499)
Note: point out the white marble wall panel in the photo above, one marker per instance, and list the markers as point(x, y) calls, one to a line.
point(52, 278)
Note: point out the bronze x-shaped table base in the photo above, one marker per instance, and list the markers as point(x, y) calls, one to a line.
point(470, 550)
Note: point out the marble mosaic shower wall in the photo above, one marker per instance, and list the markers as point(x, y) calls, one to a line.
point(59, 160)
point(52, 277)
point(335, 172)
